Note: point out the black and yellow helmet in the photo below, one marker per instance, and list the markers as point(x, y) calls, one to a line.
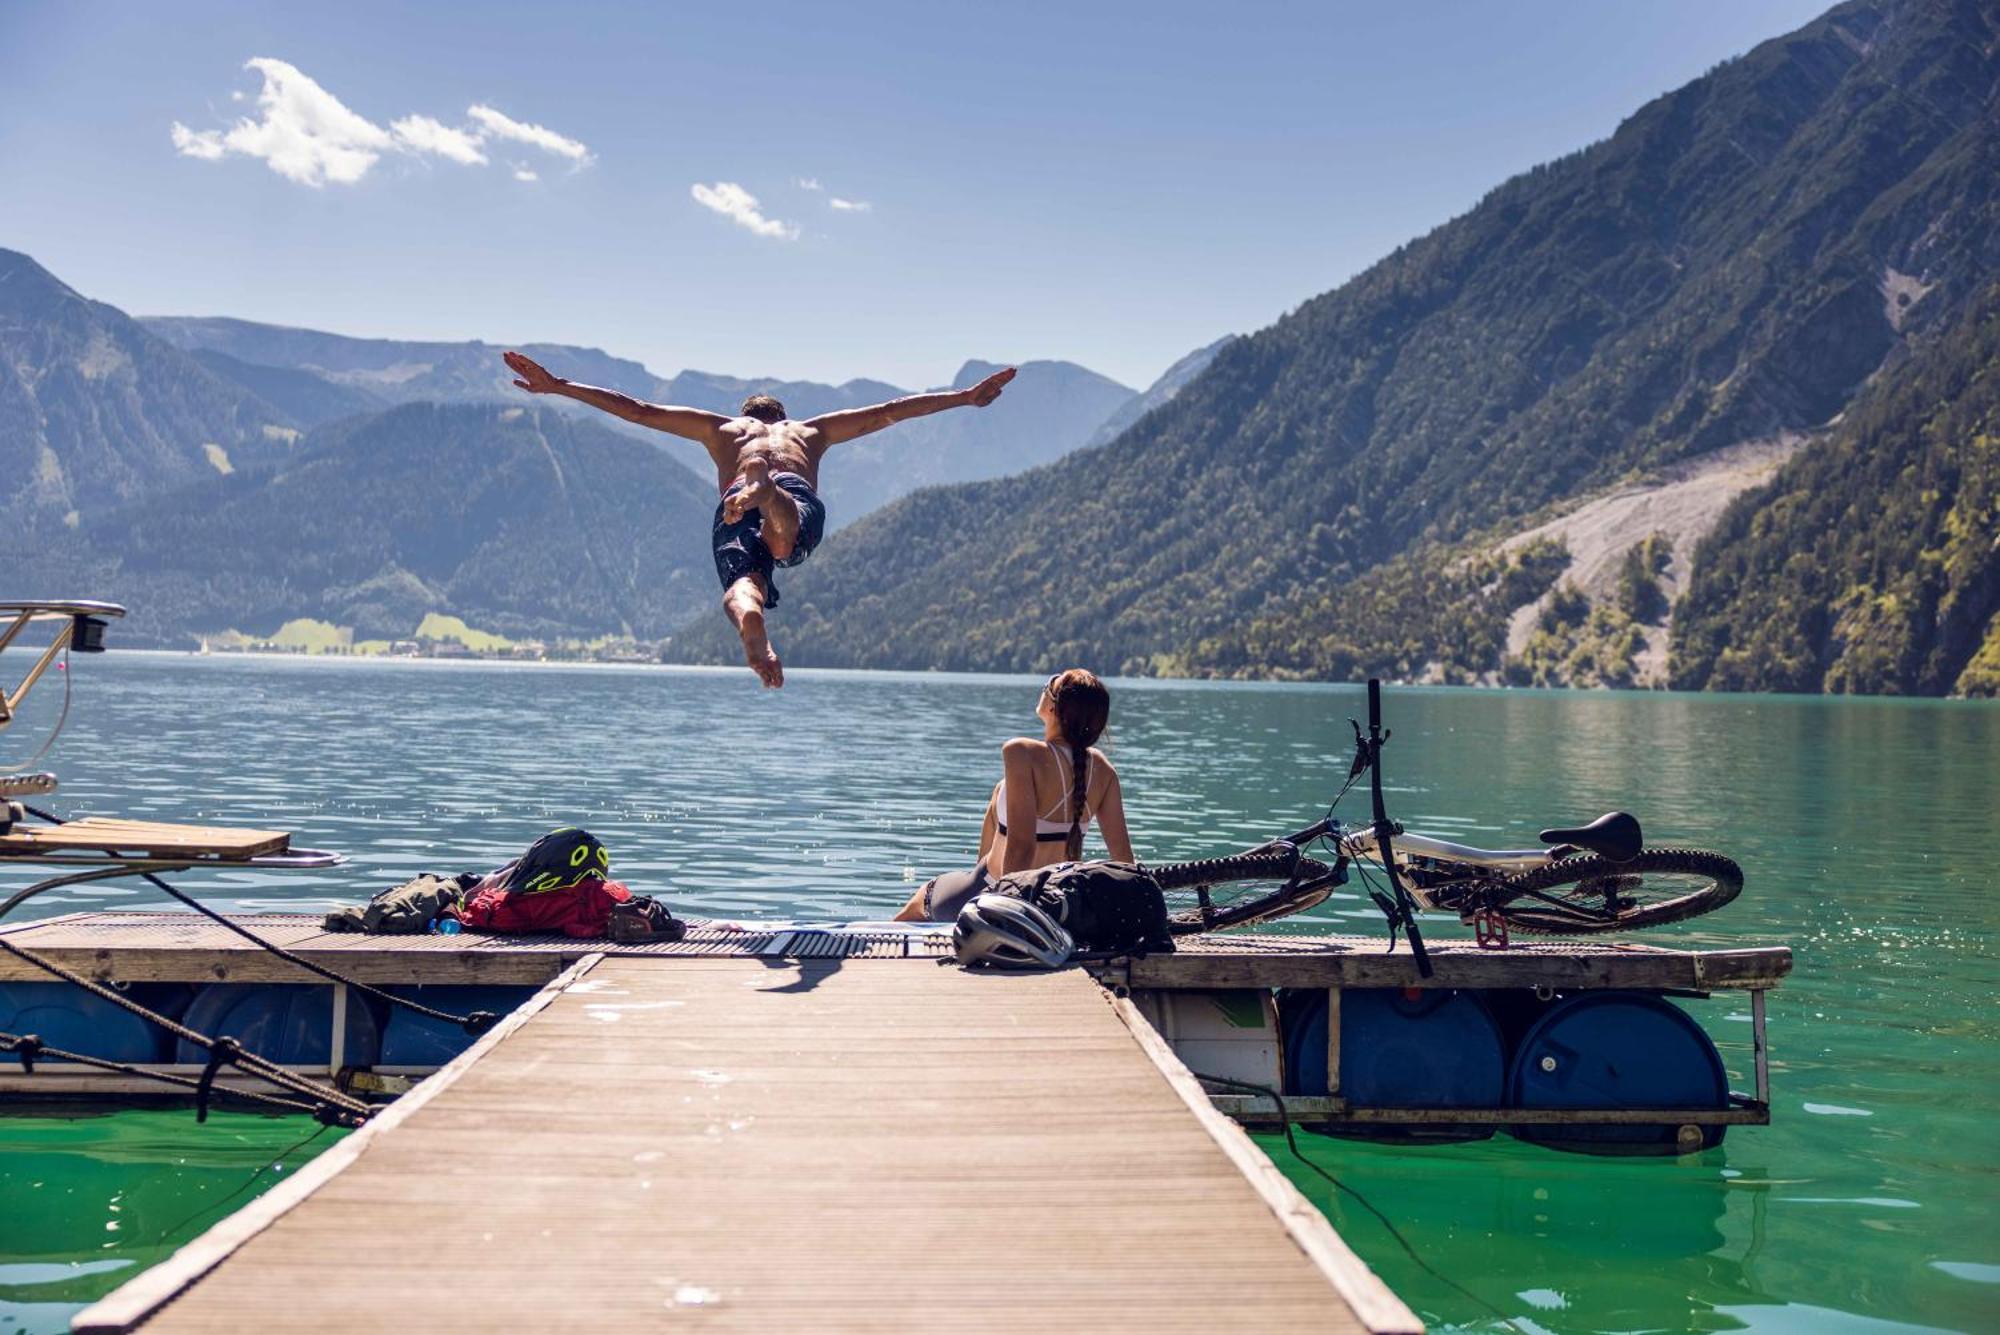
point(556, 861)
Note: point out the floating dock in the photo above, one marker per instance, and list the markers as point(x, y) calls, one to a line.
point(745, 1144)
point(815, 1128)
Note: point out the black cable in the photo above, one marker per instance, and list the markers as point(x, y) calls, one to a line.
point(248, 1183)
point(1291, 1143)
point(1375, 893)
point(475, 1024)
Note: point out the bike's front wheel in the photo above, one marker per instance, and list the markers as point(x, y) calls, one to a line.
point(1585, 894)
point(1254, 887)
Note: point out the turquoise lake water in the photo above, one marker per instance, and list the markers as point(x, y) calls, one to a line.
point(1869, 831)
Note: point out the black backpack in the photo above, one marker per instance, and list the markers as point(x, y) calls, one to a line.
point(1113, 907)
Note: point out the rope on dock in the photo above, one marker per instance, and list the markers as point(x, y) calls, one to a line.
point(30, 1049)
point(221, 1051)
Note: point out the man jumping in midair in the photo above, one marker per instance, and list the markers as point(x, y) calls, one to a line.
point(768, 469)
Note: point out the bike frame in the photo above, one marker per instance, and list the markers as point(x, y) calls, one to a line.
point(1412, 851)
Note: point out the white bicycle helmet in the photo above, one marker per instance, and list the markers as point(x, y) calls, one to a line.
point(1008, 933)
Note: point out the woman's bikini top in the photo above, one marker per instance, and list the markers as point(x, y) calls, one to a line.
point(1047, 831)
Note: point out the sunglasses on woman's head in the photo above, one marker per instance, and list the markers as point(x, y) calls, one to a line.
point(1050, 689)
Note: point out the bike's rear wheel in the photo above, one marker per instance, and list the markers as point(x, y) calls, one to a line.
point(1218, 893)
point(1585, 894)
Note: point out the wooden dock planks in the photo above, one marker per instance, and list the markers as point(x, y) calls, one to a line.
point(769, 1144)
point(147, 946)
point(102, 834)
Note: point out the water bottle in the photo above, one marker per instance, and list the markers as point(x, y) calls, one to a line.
point(447, 927)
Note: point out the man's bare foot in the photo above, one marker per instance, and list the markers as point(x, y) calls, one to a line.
point(755, 491)
point(757, 650)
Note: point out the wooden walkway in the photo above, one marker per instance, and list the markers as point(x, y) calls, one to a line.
point(774, 1144)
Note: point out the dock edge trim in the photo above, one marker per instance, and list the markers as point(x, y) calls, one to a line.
point(1372, 1301)
point(132, 1303)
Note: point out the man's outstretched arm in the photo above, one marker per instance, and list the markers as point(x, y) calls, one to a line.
point(851, 422)
point(693, 423)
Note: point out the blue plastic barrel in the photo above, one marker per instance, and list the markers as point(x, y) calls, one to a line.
point(1430, 1048)
point(411, 1039)
point(63, 1015)
point(1616, 1050)
point(288, 1023)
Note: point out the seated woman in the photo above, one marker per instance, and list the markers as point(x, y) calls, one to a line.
point(1050, 789)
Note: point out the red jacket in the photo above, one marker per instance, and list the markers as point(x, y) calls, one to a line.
point(580, 910)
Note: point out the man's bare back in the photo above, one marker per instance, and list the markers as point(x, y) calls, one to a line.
point(767, 469)
point(781, 447)
point(750, 452)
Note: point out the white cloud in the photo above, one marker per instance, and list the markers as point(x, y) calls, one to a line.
point(809, 183)
point(849, 205)
point(502, 126)
point(421, 134)
point(525, 174)
point(204, 144)
point(303, 132)
point(306, 134)
point(738, 205)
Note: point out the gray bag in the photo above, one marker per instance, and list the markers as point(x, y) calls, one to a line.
point(408, 909)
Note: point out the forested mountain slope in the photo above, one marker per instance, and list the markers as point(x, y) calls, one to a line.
point(1734, 263)
point(518, 520)
point(1870, 564)
point(1171, 382)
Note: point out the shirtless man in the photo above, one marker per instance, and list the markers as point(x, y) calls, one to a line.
point(767, 467)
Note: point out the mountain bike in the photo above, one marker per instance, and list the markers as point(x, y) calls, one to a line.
point(1591, 878)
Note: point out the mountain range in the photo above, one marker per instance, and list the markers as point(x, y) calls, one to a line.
point(1710, 403)
point(95, 412)
point(521, 521)
point(1052, 407)
point(1710, 317)
point(220, 475)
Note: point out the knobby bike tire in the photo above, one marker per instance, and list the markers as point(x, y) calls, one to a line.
point(1237, 875)
point(1528, 906)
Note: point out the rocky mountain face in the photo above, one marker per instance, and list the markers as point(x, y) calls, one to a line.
point(95, 411)
point(394, 371)
point(1743, 260)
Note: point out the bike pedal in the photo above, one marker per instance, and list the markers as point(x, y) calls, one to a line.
point(1489, 931)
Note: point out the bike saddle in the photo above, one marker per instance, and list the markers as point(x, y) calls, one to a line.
point(1614, 836)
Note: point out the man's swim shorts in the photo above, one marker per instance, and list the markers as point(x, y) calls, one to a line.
point(740, 549)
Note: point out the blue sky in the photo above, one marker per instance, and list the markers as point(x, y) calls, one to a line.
point(1113, 184)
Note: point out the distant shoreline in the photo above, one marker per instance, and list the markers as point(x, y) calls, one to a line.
point(920, 675)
